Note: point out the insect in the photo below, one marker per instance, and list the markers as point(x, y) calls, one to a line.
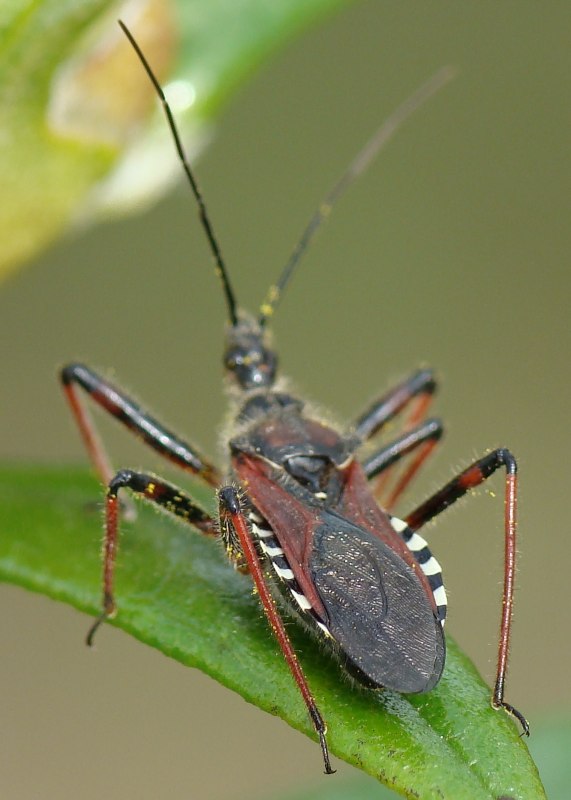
point(298, 506)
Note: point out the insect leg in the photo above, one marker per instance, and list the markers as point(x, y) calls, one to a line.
point(165, 495)
point(418, 390)
point(116, 403)
point(469, 479)
point(420, 386)
point(231, 513)
point(423, 437)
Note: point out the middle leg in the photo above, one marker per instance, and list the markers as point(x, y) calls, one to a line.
point(422, 438)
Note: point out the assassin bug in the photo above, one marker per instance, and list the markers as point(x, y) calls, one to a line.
point(297, 505)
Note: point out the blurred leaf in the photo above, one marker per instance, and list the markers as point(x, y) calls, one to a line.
point(74, 100)
point(551, 746)
point(176, 591)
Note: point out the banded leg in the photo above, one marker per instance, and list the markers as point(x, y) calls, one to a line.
point(469, 479)
point(116, 403)
point(424, 437)
point(157, 491)
point(419, 388)
point(232, 514)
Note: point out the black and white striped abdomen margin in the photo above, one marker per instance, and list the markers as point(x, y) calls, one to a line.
point(270, 547)
point(428, 564)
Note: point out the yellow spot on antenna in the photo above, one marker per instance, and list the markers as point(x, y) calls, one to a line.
point(268, 306)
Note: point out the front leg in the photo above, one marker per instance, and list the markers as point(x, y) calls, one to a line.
point(163, 494)
point(140, 422)
point(417, 390)
point(469, 479)
point(420, 386)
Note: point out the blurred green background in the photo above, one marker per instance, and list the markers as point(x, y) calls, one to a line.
point(452, 251)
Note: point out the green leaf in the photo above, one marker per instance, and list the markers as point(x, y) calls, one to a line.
point(177, 592)
point(550, 746)
point(75, 103)
point(359, 788)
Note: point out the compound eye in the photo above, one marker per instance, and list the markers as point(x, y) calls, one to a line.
point(242, 358)
point(233, 359)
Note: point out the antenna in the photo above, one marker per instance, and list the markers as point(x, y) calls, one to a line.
point(220, 266)
point(355, 168)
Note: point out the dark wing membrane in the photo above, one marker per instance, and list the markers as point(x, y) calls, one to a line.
point(377, 608)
